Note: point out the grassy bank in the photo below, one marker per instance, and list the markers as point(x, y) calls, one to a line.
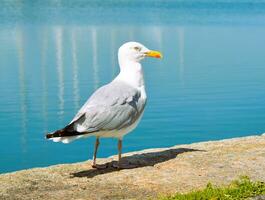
point(240, 189)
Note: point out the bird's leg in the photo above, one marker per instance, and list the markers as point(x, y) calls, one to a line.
point(95, 151)
point(121, 165)
point(119, 149)
point(94, 165)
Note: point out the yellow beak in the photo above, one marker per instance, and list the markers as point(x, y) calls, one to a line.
point(155, 54)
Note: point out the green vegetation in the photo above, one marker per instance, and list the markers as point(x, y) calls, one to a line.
point(243, 188)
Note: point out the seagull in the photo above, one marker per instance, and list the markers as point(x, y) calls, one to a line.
point(114, 109)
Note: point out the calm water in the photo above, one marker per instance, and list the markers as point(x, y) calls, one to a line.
point(54, 54)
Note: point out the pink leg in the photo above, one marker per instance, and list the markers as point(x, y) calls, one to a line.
point(94, 165)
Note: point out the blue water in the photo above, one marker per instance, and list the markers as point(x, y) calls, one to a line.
point(54, 54)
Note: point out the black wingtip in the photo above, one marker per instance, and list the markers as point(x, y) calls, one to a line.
point(58, 133)
point(62, 133)
point(48, 136)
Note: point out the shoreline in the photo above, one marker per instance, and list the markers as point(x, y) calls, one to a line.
point(132, 152)
point(161, 171)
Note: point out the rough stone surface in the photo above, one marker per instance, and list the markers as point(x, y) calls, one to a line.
point(159, 172)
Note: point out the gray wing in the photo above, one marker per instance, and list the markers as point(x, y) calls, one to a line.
point(112, 107)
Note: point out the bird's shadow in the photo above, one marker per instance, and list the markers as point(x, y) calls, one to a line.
point(137, 161)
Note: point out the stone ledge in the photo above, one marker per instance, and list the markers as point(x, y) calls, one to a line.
point(159, 172)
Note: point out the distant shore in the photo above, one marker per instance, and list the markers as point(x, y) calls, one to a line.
point(159, 172)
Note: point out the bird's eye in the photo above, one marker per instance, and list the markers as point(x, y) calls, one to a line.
point(137, 48)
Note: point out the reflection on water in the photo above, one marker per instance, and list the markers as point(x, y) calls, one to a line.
point(181, 33)
point(60, 68)
point(44, 48)
point(75, 70)
point(22, 87)
point(210, 84)
point(95, 57)
point(113, 54)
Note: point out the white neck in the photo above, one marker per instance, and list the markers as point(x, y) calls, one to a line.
point(132, 73)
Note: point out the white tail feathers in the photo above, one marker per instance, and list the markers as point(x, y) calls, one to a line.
point(66, 140)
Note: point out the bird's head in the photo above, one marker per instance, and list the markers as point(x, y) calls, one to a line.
point(135, 52)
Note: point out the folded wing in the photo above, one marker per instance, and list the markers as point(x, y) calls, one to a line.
point(112, 107)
